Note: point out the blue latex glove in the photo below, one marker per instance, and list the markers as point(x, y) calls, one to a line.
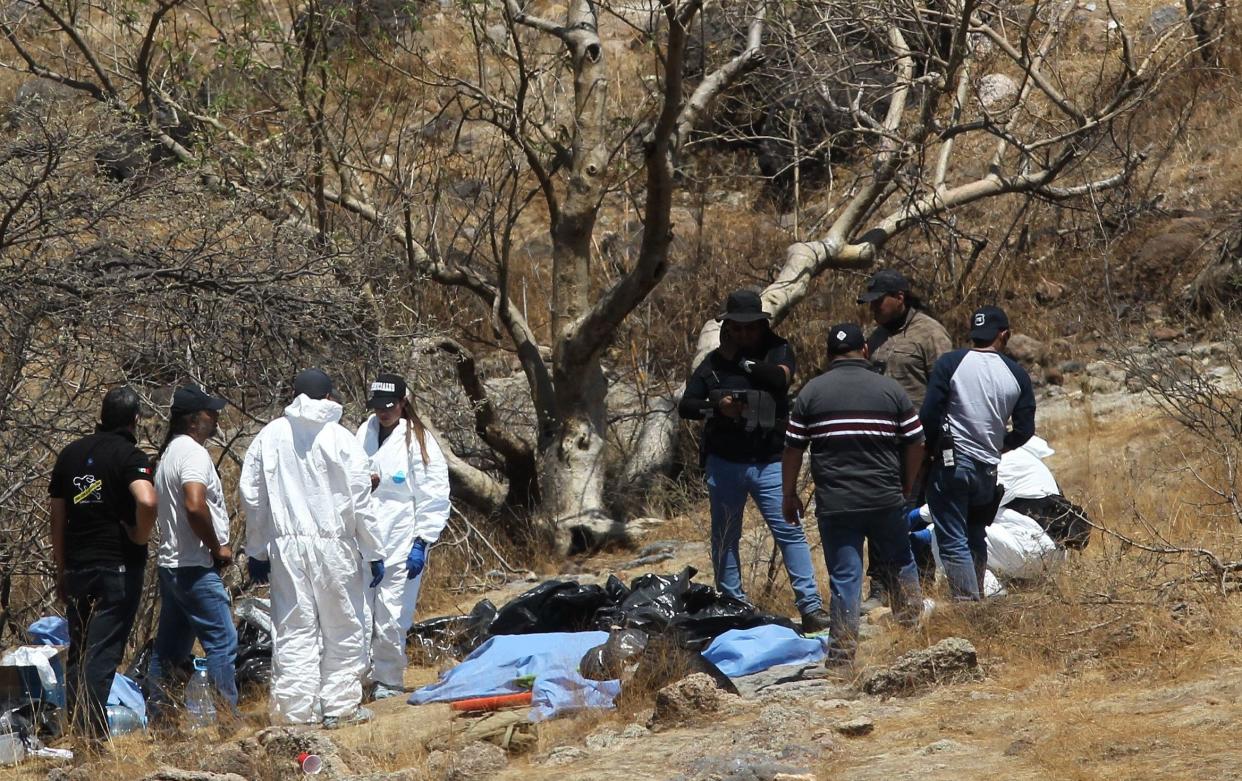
point(377, 573)
point(417, 559)
point(259, 571)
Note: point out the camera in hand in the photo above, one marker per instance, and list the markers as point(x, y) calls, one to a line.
point(758, 407)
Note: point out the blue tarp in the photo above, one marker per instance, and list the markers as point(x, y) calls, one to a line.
point(741, 652)
point(54, 630)
point(497, 666)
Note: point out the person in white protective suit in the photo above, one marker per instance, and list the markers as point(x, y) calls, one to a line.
point(310, 523)
point(411, 498)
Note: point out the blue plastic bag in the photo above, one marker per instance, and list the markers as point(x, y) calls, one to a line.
point(741, 652)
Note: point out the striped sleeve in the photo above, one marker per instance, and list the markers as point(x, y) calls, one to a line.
point(797, 433)
point(910, 429)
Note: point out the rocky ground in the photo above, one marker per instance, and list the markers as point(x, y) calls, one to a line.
point(945, 702)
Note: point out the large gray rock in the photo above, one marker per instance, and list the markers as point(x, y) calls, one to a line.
point(996, 92)
point(689, 700)
point(176, 774)
point(952, 660)
point(472, 762)
point(1026, 350)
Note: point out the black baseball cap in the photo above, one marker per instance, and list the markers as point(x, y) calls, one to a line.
point(884, 282)
point(743, 306)
point(987, 322)
point(845, 338)
point(314, 383)
point(386, 392)
point(191, 398)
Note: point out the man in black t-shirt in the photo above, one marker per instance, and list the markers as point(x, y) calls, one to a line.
point(742, 389)
point(103, 507)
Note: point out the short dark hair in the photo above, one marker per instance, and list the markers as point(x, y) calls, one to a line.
point(120, 408)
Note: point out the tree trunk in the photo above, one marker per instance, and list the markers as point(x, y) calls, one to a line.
point(572, 463)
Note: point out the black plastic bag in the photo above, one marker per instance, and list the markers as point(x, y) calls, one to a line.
point(665, 660)
point(655, 600)
point(696, 630)
point(553, 606)
point(609, 660)
point(254, 641)
point(454, 636)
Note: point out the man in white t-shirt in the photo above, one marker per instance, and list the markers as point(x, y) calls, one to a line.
point(193, 527)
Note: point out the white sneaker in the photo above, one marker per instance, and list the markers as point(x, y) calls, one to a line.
point(383, 692)
point(360, 715)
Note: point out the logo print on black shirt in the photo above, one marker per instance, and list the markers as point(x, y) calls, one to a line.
point(88, 490)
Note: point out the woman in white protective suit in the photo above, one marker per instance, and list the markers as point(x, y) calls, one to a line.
point(411, 497)
point(310, 524)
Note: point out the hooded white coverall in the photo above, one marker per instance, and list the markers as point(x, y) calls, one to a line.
point(411, 502)
point(306, 490)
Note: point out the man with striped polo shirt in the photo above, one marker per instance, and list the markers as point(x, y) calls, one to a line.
point(866, 446)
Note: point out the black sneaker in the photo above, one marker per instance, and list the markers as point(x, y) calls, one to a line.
point(815, 621)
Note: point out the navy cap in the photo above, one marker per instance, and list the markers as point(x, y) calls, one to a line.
point(845, 338)
point(884, 282)
point(987, 322)
point(314, 383)
point(386, 392)
point(191, 398)
point(743, 306)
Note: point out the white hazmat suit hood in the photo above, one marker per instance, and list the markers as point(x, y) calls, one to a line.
point(411, 502)
point(306, 490)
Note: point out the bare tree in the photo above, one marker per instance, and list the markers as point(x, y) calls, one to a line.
point(450, 148)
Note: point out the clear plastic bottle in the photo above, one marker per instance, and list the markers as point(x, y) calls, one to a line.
point(122, 720)
point(199, 703)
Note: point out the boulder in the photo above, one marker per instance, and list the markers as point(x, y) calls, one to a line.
point(688, 700)
point(952, 660)
point(472, 762)
point(176, 774)
point(855, 728)
point(1162, 19)
point(996, 92)
point(1028, 351)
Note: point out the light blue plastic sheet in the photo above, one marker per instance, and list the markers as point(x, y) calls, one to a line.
point(54, 630)
point(497, 666)
point(49, 630)
point(741, 652)
point(558, 694)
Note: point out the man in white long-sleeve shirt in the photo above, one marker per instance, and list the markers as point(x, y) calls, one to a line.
point(310, 523)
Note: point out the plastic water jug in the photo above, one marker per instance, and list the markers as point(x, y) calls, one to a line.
point(199, 703)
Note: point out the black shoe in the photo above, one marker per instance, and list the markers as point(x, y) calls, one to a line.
point(815, 621)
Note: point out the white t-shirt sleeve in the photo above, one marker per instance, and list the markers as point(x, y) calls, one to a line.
point(196, 467)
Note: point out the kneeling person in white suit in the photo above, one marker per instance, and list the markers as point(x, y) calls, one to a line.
point(310, 523)
point(411, 497)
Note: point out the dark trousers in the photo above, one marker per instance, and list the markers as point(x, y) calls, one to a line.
point(103, 602)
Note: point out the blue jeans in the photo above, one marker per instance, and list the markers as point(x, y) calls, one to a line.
point(963, 545)
point(728, 485)
point(888, 539)
point(194, 604)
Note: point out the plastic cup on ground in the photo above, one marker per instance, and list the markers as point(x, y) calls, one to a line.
point(311, 764)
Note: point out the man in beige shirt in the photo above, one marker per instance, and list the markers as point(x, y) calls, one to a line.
point(906, 341)
point(904, 346)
